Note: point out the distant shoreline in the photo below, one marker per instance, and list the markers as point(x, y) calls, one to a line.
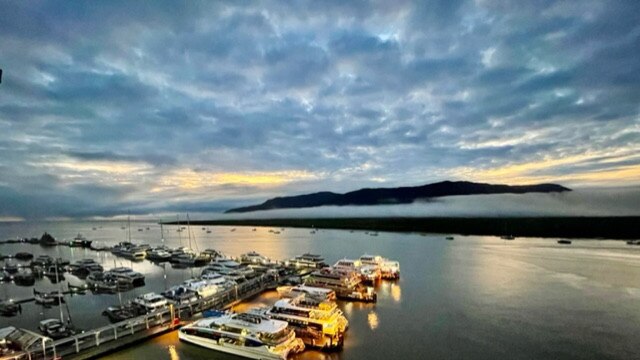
point(622, 228)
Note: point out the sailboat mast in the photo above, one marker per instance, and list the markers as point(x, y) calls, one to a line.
point(60, 287)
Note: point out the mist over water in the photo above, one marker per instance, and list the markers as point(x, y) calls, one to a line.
point(580, 202)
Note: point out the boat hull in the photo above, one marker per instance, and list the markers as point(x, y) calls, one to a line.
point(247, 352)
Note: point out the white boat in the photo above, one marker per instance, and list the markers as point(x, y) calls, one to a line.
point(308, 260)
point(369, 273)
point(253, 257)
point(134, 253)
point(247, 335)
point(311, 292)
point(389, 269)
point(230, 267)
point(318, 323)
point(150, 302)
point(158, 255)
point(181, 295)
point(204, 288)
point(126, 275)
point(346, 284)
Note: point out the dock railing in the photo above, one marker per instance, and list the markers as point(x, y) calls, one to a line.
point(96, 342)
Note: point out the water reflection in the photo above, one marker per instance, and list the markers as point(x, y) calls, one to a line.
point(173, 354)
point(396, 292)
point(372, 320)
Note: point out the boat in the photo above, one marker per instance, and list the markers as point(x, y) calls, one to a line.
point(319, 324)
point(315, 293)
point(136, 253)
point(150, 302)
point(23, 256)
point(347, 284)
point(11, 267)
point(55, 329)
point(507, 237)
point(450, 238)
point(308, 260)
point(78, 289)
point(251, 336)
point(54, 273)
point(368, 273)
point(180, 295)
point(564, 242)
point(389, 269)
point(80, 241)
point(121, 247)
point(253, 257)
point(24, 277)
point(42, 260)
point(633, 242)
point(127, 275)
point(9, 308)
point(106, 283)
point(213, 254)
point(121, 312)
point(48, 298)
point(158, 255)
point(47, 240)
point(206, 287)
point(230, 268)
point(82, 268)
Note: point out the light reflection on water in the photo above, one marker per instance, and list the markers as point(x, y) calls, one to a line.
point(474, 297)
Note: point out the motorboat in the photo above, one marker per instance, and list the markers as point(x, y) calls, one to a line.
point(80, 241)
point(9, 308)
point(23, 256)
point(564, 242)
point(24, 277)
point(253, 257)
point(106, 283)
point(55, 329)
point(247, 335)
point(121, 312)
point(212, 254)
point(230, 268)
point(42, 261)
point(318, 323)
point(158, 255)
point(82, 268)
point(137, 253)
point(150, 302)
point(181, 295)
point(126, 274)
point(204, 288)
point(315, 293)
point(121, 247)
point(48, 298)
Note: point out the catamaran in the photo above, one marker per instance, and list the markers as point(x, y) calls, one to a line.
point(318, 323)
point(251, 336)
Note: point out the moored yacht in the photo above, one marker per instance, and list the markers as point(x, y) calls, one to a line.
point(150, 302)
point(253, 257)
point(318, 323)
point(80, 241)
point(126, 274)
point(247, 335)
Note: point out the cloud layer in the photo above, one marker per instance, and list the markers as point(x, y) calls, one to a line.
point(201, 106)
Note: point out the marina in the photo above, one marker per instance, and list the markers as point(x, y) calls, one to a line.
point(189, 297)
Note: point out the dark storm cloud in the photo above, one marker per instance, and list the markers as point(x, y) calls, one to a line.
point(163, 106)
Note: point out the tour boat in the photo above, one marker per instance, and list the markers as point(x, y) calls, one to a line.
point(318, 323)
point(251, 336)
point(389, 269)
point(308, 260)
point(315, 293)
point(346, 284)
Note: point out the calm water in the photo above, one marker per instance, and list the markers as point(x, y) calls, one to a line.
point(475, 297)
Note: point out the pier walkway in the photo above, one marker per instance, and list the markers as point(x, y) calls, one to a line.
point(98, 342)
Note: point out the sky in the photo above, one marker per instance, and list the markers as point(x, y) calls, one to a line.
point(157, 107)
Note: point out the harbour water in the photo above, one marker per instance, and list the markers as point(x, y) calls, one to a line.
point(474, 297)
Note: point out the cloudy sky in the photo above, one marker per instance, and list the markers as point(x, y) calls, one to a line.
point(200, 106)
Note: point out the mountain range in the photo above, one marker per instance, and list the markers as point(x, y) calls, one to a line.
point(397, 195)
